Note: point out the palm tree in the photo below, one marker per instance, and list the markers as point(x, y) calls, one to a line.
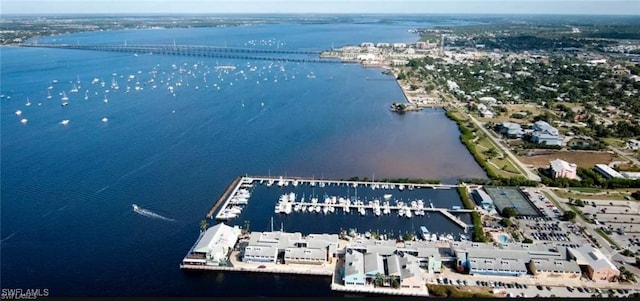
point(203, 225)
point(379, 280)
point(395, 282)
point(246, 225)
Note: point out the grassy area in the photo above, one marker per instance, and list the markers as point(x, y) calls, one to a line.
point(614, 142)
point(430, 37)
point(587, 189)
point(607, 238)
point(609, 195)
point(579, 213)
point(496, 165)
point(478, 233)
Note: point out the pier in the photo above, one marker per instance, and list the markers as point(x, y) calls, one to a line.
point(201, 51)
point(226, 195)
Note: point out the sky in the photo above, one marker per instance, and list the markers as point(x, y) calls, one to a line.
point(591, 7)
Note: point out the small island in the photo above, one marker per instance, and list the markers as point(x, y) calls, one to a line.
point(401, 108)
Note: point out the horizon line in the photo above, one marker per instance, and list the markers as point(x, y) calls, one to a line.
point(311, 13)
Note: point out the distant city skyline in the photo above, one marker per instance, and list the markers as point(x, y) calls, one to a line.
point(590, 7)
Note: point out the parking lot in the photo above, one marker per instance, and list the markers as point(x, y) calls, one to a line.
point(531, 287)
point(619, 218)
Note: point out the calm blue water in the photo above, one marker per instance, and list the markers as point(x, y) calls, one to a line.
point(66, 191)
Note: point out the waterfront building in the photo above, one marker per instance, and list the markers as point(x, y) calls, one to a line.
point(404, 269)
point(597, 266)
point(214, 246)
point(517, 260)
point(354, 268)
point(563, 169)
point(554, 268)
point(383, 270)
point(263, 253)
point(482, 198)
point(607, 171)
point(373, 265)
point(428, 254)
point(397, 63)
point(305, 255)
point(312, 249)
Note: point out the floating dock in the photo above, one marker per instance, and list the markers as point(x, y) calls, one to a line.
point(222, 206)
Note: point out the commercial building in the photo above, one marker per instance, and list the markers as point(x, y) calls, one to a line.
point(544, 133)
point(607, 171)
point(214, 246)
point(428, 255)
point(554, 268)
point(397, 269)
point(510, 129)
point(596, 265)
point(354, 268)
point(482, 199)
point(290, 247)
point(517, 260)
point(563, 169)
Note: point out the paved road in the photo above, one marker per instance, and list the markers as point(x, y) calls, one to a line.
point(529, 174)
point(623, 155)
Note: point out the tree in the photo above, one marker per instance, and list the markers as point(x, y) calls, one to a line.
point(203, 225)
point(569, 215)
point(507, 222)
point(395, 282)
point(408, 236)
point(379, 280)
point(509, 212)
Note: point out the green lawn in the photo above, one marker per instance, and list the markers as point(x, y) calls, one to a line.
point(614, 142)
point(594, 193)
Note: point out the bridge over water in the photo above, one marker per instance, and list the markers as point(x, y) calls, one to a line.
point(202, 51)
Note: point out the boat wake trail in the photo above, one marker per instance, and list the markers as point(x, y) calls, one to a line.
point(144, 212)
point(12, 234)
point(102, 189)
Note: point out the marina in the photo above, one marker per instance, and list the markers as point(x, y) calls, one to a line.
point(237, 195)
point(182, 134)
